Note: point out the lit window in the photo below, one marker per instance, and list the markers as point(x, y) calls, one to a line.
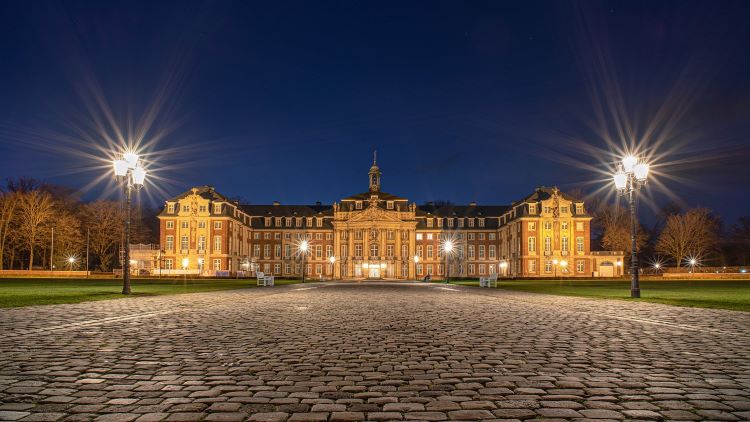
point(580, 265)
point(170, 208)
point(358, 205)
point(419, 236)
point(389, 205)
point(532, 226)
point(532, 266)
point(217, 225)
point(217, 210)
point(217, 243)
point(170, 224)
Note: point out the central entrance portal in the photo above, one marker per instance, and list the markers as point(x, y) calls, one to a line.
point(374, 271)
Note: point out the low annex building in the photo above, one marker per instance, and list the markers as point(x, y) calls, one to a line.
point(379, 235)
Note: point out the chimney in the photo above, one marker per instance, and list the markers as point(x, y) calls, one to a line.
point(318, 203)
point(276, 203)
point(473, 203)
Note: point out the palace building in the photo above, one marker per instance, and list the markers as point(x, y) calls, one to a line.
point(378, 235)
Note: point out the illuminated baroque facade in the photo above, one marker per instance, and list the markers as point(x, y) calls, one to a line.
point(378, 235)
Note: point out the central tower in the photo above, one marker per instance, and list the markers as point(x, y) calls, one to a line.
point(374, 174)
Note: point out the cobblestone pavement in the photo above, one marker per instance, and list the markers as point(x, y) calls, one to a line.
point(372, 351)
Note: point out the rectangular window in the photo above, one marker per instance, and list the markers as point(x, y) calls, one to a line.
point(481, 222)
point(579, 244)
point(564, 225)
point(318, 251)
point(217, 243)
point(256, 251)
point(358, 235)
point(548, 226)
point(419, 269)
point(579, 226)
point(419, 251)
point(460, 222)
point(532, 266)
point(276, 268)
point(170, 208)
point(170, 243)
point(580, 265)
point(287, 268)
point(429, 222)
point(287, 251)
point(267, 251)
point(277, 221)
point(532, 244)
point(318, 269)
point(492, 236)
point(389, 205)
point(404, 251)
point(358, 249)
point(168, 264)
point(390, 235)
point(481, 269)
point(389, 250)
point(547, 266)
point(186, 208)
point(358, 205)
point(429, 251)
point(217, 209)
point(217, 225)
point(329, 251)
point(298, 221)
point(344, 251)
point(492, 251)
point(202, 243)
point(429, 269)
point(565, 243)
point(419, 236)
point(429, 236)
point(471, 222)
point(256, 235)
point(184, 224)
point(267, 268)
point(471, 236)
point(481, 236)
point(532, 208)
point(547, 244)
point(201, 224)
point(170, 224)
point(579, 208)
point(217, 264)
point(471, 269)
point(563, 210)
point(532, 226)
point(481, 251)
point(471, 251)
point(277, 251)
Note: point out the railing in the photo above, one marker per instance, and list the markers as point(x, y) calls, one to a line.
point(607, 253)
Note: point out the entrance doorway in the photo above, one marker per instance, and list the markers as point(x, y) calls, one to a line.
point(374, 271)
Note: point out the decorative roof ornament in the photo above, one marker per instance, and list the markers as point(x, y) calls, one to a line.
point(374, 173)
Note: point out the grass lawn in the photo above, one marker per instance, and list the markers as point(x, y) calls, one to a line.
point(44, 291)
point(722, 294)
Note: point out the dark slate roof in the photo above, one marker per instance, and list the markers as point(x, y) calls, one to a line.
point(462, 210)
point(382, 196)
point(287, 210)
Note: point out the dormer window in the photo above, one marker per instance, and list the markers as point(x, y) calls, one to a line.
point(389, 205)
point(471, 222)
point(318, 222)
point(217, 208)
point(450, 222)
point(481, 222)
point(429, 222)
point(440, 222)
point(460, 222)
point(267, 221)
point(308, 221)
point(170, 208)
point(299, 221)
point(579, 208)
point(532, 208)
point(277, 221)
point(358, 205)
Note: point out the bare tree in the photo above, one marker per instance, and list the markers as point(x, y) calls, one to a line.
point(693, 233)
point(105, 220)
point(35, 208)
point(8, 205)
point(614, 222)
point(69, 241)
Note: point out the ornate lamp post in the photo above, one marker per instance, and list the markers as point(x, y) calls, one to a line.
point(131, 175)
point(447, 250)
point(630, 177)
point(416, 262)
point(303, 248)
point(554, 266)
point(332, 260)
point(503, 267)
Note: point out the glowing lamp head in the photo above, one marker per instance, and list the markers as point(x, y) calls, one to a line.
point(448, 246)
point(139, 175)
point(71, 260)
point(629, 163)
point(303, 246)
point(121, 167)
point(657, 265)
point(563, 263)
point(554, 261)
point(416, 258)
point(693, 261)
point(332, 259)
point(619, 263)
point(621, 180)
point(131, 158)
point(185, 262)
point(641, 171)
point(503, 265)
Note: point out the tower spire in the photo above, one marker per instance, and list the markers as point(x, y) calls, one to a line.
point(374, 173)
point(374, 157)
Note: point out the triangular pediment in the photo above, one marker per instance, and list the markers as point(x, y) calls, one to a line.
point(374, 213)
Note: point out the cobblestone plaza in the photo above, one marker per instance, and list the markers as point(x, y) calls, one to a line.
point(372, 351)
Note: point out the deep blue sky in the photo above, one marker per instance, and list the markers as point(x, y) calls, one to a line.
point(463, 100)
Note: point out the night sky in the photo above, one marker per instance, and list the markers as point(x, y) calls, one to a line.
point(463, 101)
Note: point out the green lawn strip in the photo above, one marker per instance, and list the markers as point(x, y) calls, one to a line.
point(720, 294)
point(46, 291)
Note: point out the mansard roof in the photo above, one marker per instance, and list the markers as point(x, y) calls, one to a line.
point(542, 193)
point(462, 210)
point(287, 210)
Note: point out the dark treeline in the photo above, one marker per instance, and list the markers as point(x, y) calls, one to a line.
point(37, 218)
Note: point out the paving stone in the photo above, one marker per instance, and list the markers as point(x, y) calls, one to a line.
point(372, 351)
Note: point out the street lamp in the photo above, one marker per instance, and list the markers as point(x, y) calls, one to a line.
point(503, 267)
point(554, 266)
point(200, 266)
point(564, 265)
point(303, 247)
point(332, 260)
point(71, 262)
point(416, 261)
point(447, 250)
point(131, 175)
point(630, 177)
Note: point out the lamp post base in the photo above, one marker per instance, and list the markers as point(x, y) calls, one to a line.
point(635, 293)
